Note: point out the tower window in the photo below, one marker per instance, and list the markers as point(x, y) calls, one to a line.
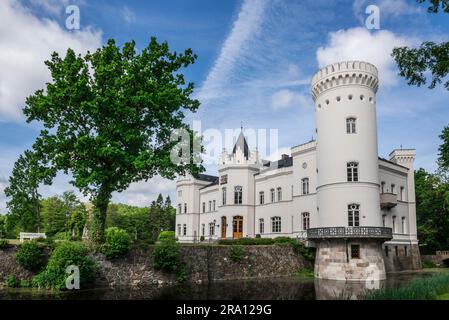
point(353, 171)
point(238, 195)
point(355, 251)
point(276, 224)
point(223, 191)
point(305, 221)
point(351, 125)
point(305, 185)
point(279, 194)
point(262, 197)
point(354, 215)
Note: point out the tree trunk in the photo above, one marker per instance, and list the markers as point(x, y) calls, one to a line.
point(98, 222)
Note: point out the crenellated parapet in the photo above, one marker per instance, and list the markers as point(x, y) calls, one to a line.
point(347, 73)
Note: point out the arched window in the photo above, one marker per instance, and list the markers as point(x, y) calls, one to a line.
point(394, 224)
point(352, 171)
point(238, 195)
point(276, 224)
point(305, 186)
point(272, 195)
point(223, 191)
point(279, 194)
point(261, 226)
point(351, 125)
point(305, 220)
point(179, 208)
point(353, 215)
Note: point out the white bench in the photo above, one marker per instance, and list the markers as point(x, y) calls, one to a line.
point(31, 236)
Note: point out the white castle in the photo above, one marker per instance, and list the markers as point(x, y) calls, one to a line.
point(334, 192)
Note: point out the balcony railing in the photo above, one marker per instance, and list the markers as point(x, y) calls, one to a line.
point(350, 232)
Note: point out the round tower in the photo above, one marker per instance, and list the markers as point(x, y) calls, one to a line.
point(349, 232)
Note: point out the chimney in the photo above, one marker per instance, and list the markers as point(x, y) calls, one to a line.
point(285, 156)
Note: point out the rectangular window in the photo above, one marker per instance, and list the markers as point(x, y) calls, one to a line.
point(224, 195)
point(224, 179)
point(384, 217)
point(185, 207)
point(203, 229)
point(211, 229)
point(276, 224)
point(403, 225)
point(184, 231)
point(355, 251)
point(350, 125)
point(272, 195)
point(261, 226)
point(204, 207)
point(386, 251)
point(238, 195)
point(179, 208)
point(179, 229)
point(210, 206)
point(352, 171)
point(397, 251)
point(261, 197)
point(394, 224)
point(213, 205)
point(279, 194)
point(305, 186)
point(401, 194)
point(382, 187)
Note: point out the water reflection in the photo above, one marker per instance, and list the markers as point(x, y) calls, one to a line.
point(263, 289)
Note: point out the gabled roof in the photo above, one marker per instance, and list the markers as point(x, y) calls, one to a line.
point(206, 177)
point(241, 143)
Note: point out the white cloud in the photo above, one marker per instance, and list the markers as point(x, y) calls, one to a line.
point(360, 44)
point(277, 154)
point(245, 27)
point(142, 193)
point(27, 42)
point(128, 15)
point(286, 98)
point(387, 8)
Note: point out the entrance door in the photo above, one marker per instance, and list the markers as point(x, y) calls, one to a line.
point(223, 227)
point(237, 226)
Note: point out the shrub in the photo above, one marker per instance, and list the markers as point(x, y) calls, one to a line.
point(11, 281)
point(167, 256)
point(117, 243)
point(418, 289)
point(31, 256)
point(237, 253)
point(305, 273)
point(428, 264)
point(166, 235)
point(62, 236)
point(65, 254)
point(4, 244)
point(25, 283)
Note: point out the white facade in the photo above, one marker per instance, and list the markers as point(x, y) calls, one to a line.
point(314, 187)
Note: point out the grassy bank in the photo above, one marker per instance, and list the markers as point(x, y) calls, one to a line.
point(435, 287)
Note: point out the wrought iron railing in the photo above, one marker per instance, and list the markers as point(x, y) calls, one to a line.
point(350, 232)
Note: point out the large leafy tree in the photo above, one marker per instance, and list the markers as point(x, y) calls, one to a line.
point(414, 63)
point(108, 117)
point(23, 205)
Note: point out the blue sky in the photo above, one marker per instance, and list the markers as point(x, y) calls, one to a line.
point(255, 62)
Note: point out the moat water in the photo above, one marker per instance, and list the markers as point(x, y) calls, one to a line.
point(285, 288)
